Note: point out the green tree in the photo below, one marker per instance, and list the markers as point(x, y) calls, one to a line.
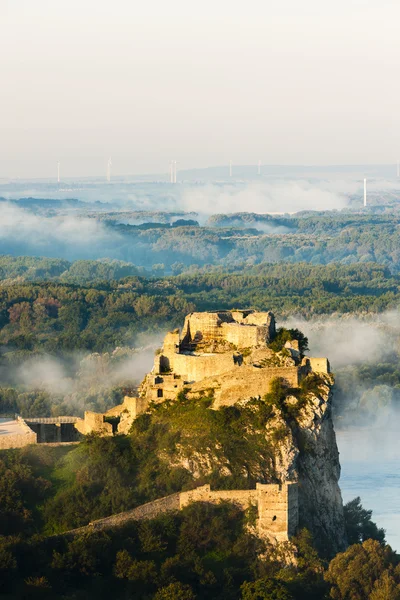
point(359, 526)
point(352, 574)
point(265, 589)
point(175, 591)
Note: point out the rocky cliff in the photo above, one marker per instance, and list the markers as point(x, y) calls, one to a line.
point(308, 454)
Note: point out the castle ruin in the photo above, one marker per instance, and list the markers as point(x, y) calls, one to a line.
point(226, 352)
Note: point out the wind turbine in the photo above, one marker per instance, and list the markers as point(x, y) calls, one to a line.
point(109, 165)
point(365, 192)
point(172, 171)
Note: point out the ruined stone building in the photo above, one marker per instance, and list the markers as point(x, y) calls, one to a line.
point(223, 352)
point(226, 352)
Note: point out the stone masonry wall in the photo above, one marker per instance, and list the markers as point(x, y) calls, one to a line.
point(319, 365)
point(245, 336)
point(276, 504)
point(94, 422)
point(197, 367)
point(244, 383)
point(18, 440)
point(242, 328)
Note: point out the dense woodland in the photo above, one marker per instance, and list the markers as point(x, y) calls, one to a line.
point(62, 316)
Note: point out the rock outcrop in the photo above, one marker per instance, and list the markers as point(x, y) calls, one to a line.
point(309, 455)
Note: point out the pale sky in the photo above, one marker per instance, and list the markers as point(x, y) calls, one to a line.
point(284, 81)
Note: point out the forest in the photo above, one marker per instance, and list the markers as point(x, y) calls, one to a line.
point(173, 242)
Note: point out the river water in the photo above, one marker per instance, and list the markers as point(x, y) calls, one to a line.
point(370, 460)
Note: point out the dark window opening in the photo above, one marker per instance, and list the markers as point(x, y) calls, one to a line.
point(159, 393)
point(274, 518)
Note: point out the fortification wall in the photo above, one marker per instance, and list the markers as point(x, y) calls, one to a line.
point(266, 319)
point(277, 507)
point(150, 510)
point(131, 409)
point(196, 367)
point(247, 382)
point(277, 510)
point(319, 365)
point(244, 336)
point(10, 441)
point(204, 326)
point(20, 434)
point(242, 328)
point(244, 498)
point(94, 422)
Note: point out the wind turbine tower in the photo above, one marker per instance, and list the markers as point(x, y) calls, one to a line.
point(365, 192)
point(58, 171)
point(172, 171)
point(230, 168)
point(259, 167)
point(109, 165)
point(398, 168)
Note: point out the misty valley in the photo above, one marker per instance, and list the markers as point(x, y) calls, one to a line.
point(188, 357)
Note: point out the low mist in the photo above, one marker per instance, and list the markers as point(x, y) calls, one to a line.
point(82, 381)
point(263, 197)
point(67, 236)
point(363, 352)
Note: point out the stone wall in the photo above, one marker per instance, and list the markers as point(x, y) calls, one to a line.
point(244, 383)
point(18, 440)
point(277, 508)
point(55, 432)
point(319, 365)
point(143, 512)
point(198, 366)
point(94, 423)
point(245, 336)
point(244, 328)
point(204, 326)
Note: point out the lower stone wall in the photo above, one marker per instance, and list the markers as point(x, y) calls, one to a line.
point(277, 507)
point(244, 498)
point(143, 512)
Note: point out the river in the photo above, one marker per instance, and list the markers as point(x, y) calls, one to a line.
point(370, 460)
